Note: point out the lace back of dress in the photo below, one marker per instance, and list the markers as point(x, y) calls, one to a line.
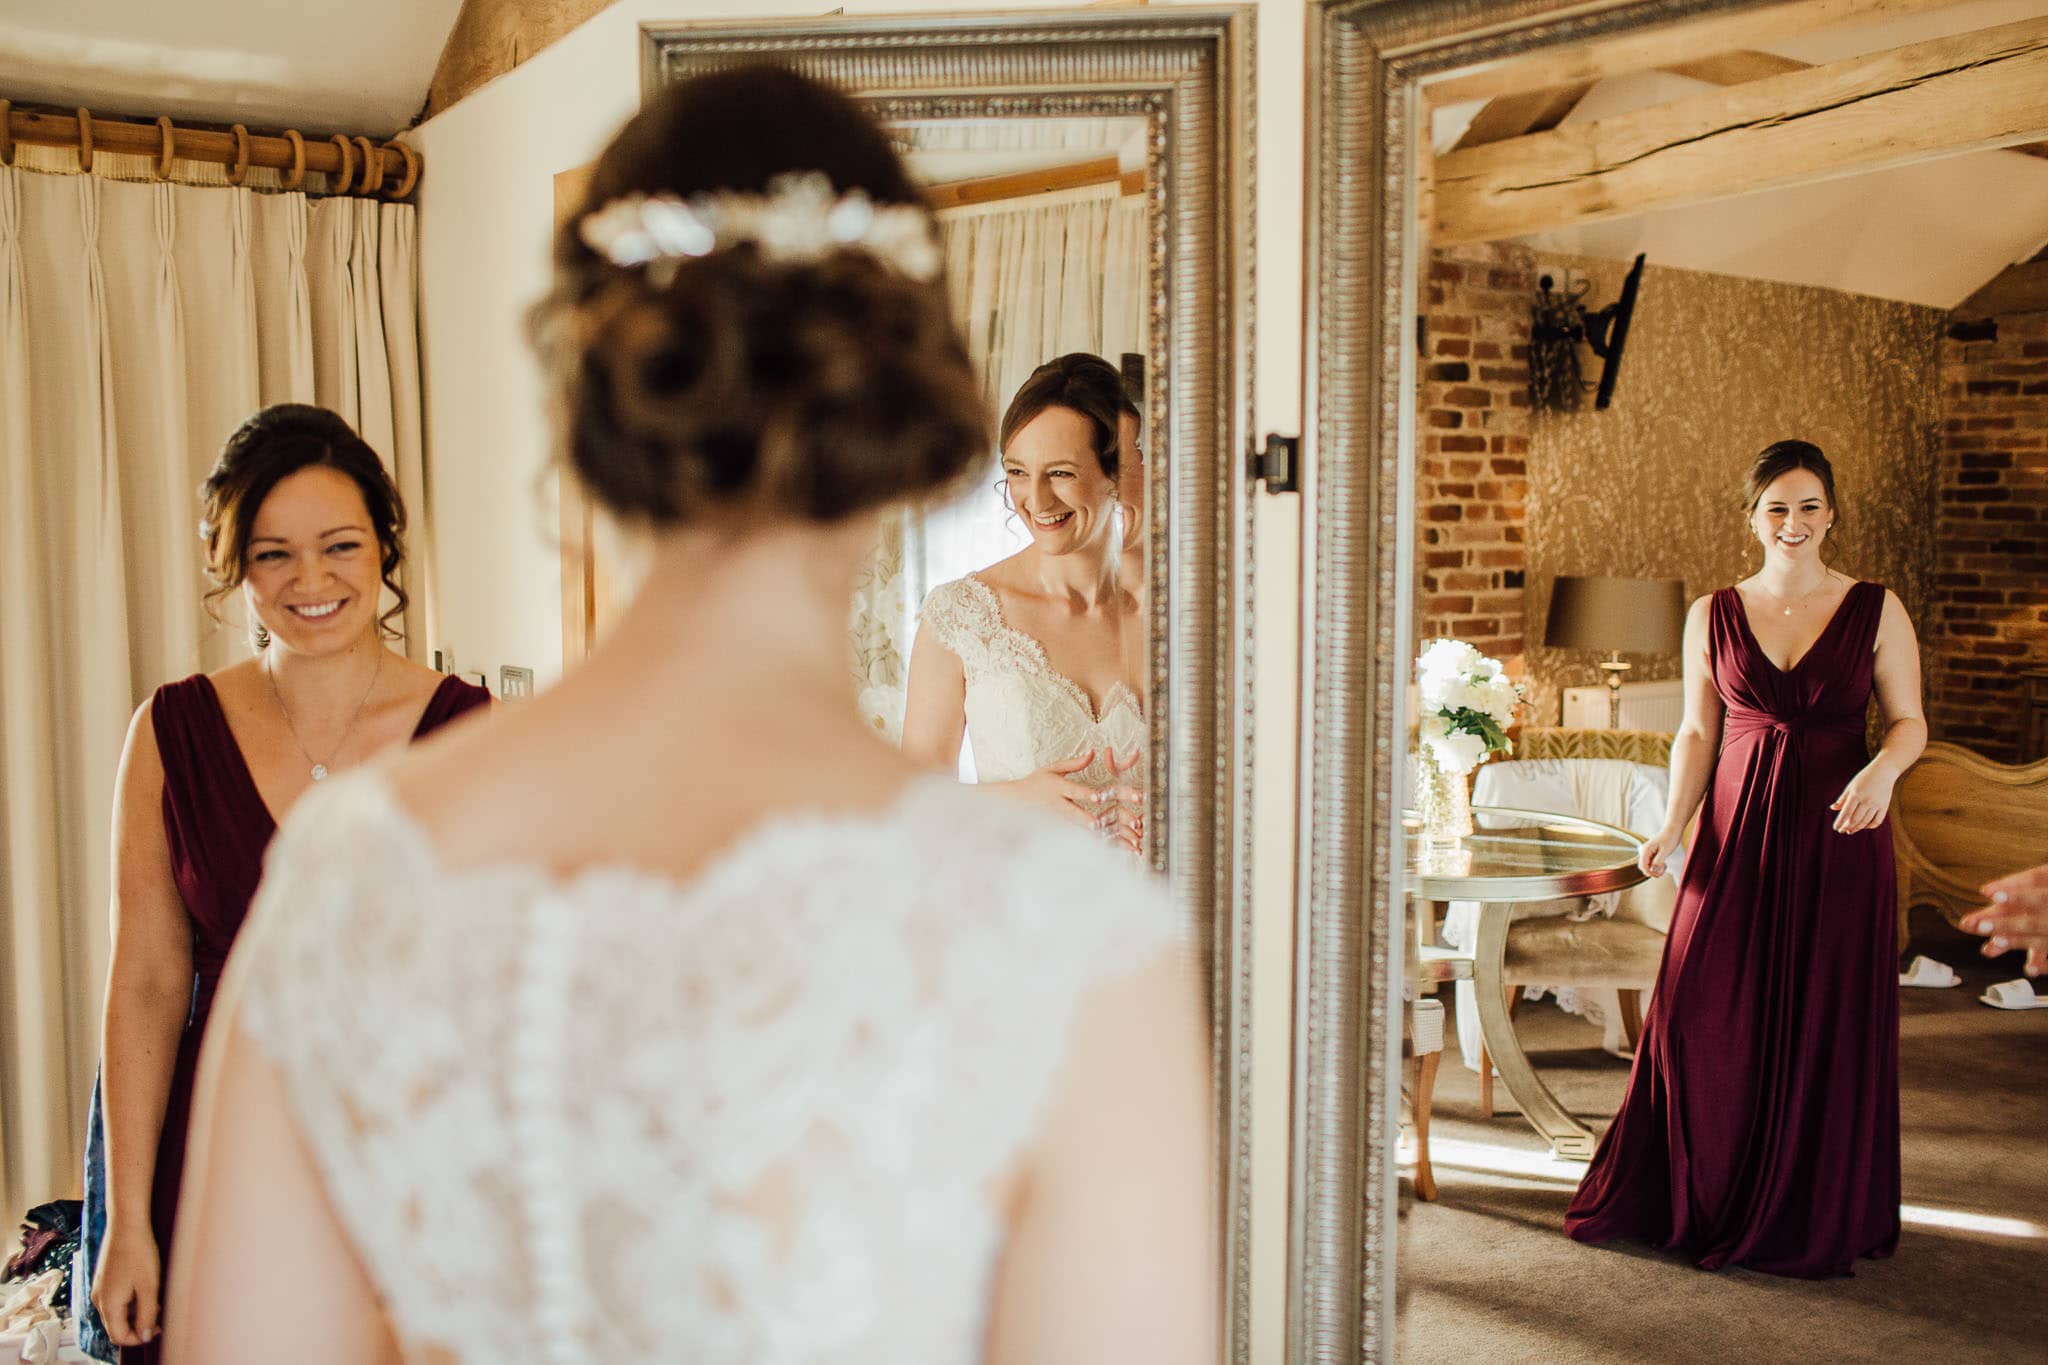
point(757, 1118)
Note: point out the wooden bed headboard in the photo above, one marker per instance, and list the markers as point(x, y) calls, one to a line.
point(1959, 820)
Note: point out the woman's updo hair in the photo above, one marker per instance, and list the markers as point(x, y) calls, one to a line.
point(810, 389)
point(1082, 383)
point(266, 449)
point(1779, 459)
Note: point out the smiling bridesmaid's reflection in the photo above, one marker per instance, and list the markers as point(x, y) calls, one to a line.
point(1033, 659)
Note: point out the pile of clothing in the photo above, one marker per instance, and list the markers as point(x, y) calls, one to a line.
point(35, 1286)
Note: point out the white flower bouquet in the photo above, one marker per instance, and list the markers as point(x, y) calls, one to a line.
point(1467, 705)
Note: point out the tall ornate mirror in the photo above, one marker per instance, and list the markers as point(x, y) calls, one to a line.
point(1571, 268)
point(1089, 171)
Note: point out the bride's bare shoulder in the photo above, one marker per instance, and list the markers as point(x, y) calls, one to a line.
point(1005, 575)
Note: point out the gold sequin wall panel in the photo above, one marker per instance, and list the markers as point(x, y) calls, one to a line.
point(1716, 368)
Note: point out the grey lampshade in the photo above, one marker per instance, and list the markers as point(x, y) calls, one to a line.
point(1625, 615)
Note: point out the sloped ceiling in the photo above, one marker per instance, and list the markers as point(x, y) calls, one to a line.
point(1930, 233)
point(360, 67)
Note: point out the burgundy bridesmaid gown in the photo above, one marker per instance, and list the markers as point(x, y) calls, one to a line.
point(218, 828)
point(1761, 1124)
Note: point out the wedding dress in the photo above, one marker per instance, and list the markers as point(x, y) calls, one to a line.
point(1022, 714)
point(764, 1116)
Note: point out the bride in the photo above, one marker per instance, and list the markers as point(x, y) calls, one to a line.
point(674, 1015)
point(1031, 659)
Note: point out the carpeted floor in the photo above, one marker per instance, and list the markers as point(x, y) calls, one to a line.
point(1486, 1275)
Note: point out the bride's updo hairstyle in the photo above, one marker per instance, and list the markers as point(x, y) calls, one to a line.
point(1082, 383)
point(810, 384)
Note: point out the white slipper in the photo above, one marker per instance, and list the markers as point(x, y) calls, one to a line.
point(2014, 995)
point(1925, 971)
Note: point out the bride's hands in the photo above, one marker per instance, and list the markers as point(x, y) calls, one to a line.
point(1115, 812)
point(1053, 788)
point(1129, 829)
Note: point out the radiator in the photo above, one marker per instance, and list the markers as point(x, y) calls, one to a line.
point(1655, 706)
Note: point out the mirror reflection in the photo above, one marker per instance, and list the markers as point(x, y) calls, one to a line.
point(1714, 491)
point(1003, 633)
point(1023, 603)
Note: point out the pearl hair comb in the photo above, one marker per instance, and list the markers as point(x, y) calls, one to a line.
point(798, 220)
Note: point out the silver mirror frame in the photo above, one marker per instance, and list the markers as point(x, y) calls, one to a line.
point(1187, 70)
point(1367, 62)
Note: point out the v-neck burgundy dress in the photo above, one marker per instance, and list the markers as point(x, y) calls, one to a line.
point(1761, 1124)
point(218, 828)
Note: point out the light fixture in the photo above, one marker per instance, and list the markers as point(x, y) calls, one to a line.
point(1616, 616)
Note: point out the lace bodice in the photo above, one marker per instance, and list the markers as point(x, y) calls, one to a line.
point(1022, 713)
point(759, 1118)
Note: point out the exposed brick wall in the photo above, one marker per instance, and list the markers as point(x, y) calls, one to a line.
point(1472, 480)
point(1989, 607)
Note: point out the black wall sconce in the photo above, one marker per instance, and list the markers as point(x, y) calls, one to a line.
point(1558, 323)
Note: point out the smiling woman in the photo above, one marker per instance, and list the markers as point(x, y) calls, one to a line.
point(1789, 879)
point(1034, 660)
point(301, 518)
point(294, 482)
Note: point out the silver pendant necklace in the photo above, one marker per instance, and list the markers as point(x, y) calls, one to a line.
point(1803, 597)
point(320, 766)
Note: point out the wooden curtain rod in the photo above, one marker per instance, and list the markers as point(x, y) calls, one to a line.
point(1026, 184)
point(390, 171)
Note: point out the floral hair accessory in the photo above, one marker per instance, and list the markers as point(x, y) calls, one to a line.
point(798, 220)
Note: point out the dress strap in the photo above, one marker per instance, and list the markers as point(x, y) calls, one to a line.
point(1723, 630)
point(205, 775)
point(1865, 610)
point(964, 616)
point(453, 697)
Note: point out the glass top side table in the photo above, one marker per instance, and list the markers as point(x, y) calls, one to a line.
point(1513, 857)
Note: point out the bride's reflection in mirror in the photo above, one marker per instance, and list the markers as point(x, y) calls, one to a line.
point(1004, 635)
point(1030, 659)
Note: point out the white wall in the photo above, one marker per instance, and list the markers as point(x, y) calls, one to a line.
point(486, 211)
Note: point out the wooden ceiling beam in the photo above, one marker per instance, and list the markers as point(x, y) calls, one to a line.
point(1738, 68)
point(491, 37)
point(1538, 111)
point(1968, 92)
point(1648, 50)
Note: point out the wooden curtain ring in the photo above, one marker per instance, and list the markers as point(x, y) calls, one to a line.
point(240, 170)
point(297, 175)
point(373, 166)
point(6, 132)
point(412, 169)
point(170, 151)
point(348, 166)
point(85, 140)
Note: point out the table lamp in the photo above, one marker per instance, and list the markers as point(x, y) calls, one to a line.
point(1616, 616)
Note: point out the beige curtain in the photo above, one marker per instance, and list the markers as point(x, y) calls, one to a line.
point(1065, 272)
point(140, 322)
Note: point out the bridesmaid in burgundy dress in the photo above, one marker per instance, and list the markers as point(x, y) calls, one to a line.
point(1761, 1124)
point(302, 518)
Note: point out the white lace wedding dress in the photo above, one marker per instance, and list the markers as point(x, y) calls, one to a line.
point(762, 1117)
point(1022, 713)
